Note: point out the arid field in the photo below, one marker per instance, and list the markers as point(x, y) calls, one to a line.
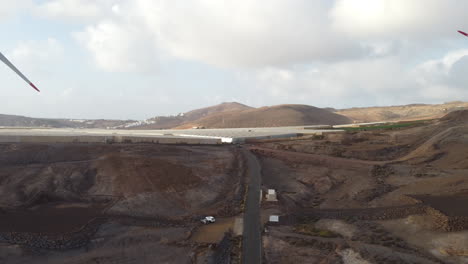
point(370, 195)
point(376, 194)
point(112, 203)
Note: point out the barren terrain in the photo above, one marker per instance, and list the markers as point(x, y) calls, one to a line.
point(235, 115)
point(112, 203)
point(274, 116)
point(401, 112)
point(353, 197)
point(392, 194)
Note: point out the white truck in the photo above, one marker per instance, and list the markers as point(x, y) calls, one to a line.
point(208, 220)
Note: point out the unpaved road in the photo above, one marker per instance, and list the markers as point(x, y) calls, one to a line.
point(251, 244)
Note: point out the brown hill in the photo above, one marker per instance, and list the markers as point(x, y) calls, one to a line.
point(445, 144)
point(456, 117)
point(163, 122)
point(401, 113)
point(221, 108)
point(281, 115)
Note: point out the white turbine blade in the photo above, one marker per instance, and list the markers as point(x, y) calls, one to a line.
point(9, 64)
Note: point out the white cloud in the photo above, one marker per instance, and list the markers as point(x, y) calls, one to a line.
point(75, 10)
point(446, 75)
point(225, 33)
point(370, 81)
point(334, 83)
point(119, 47)
point(10, 8)
point(399, 19)
point(247, 33)
point(37, 55)
point(325, 52)
point(443, 65)
point(39, 61)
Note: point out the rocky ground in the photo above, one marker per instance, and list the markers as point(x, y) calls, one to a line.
point(346, 198)
point(343, 198)
point(100, 203)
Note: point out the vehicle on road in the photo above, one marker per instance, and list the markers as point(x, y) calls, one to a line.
point(208, 220)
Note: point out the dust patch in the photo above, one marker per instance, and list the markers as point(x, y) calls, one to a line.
point(352, 257)
point(337, 226)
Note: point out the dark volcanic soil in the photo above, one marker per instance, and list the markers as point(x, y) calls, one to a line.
point(49, 218)
point(148, 199)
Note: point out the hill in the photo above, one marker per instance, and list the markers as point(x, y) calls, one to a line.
point(281, 115)
point(232, 114)
point(158, 122)
point(221, 108)
point(163, 122)
point(401, 113)
point(22, 121)
point(456, 117)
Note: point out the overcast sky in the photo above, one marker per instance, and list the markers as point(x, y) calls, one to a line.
point(134, 59)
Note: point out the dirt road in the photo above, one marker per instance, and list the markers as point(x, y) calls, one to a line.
point(251, 244)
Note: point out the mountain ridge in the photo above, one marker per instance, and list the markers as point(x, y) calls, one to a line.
point(234, 114)
point(270, 116)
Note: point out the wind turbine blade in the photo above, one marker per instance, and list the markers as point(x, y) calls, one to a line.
point(463, 33)
point(9, 64)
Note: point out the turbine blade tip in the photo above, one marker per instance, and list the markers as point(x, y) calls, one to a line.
point(35, 88)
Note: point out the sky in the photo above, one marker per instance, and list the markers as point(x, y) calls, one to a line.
point(135, 59)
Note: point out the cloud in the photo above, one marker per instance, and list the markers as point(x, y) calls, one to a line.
point(333, 84)
point(252, 34)
point(37, 55)
point(39, 61)
point(119, 47)
point(446, 76)
point(222, 33)
point(401, 19)
point(368, 81)
point(75, 10)
point(9, 8)
point(340, 53)
point(247, 33)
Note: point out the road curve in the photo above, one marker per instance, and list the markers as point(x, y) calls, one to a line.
point(252, 238)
